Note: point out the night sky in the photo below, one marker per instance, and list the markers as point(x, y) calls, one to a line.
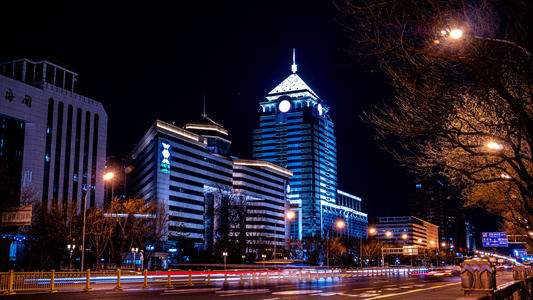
point(156, 59)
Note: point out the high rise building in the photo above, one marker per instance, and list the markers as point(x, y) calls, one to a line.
point(52, 140)
point(470, 238)
point(425, 200)
point(455, 228)
point(295, 131)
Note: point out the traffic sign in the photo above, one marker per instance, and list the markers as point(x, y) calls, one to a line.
point(494, 239)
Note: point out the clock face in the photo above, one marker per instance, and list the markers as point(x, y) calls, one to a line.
point(284, 106)
point(319, 107)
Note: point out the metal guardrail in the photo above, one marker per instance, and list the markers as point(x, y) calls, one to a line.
point(11, 282)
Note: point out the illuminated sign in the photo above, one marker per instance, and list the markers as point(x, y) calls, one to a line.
point(494, 239)
point(165, 163)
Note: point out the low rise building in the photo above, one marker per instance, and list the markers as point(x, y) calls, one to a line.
point(407, 230)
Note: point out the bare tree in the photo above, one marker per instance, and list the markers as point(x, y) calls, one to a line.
point(100, 230)
point(153, 232)
point(231, 220)
point(462, 105)
point(128, 217)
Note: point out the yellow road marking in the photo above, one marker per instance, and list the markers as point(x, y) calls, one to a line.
point(362, 289)
point(412, 291)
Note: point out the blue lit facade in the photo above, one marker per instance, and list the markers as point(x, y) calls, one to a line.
point(295, 131)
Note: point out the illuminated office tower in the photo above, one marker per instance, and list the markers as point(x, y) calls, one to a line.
point(295, 131)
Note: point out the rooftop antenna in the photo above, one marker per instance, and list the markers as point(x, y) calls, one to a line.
point(204, 115)
point(294, 67)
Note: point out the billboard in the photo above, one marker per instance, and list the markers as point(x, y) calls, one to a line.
point(494, 239)
point(16, 216)
point(410, 250)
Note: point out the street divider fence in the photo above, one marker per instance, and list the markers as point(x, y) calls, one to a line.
point(12, 282)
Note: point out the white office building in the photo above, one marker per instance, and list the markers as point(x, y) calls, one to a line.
point(52, 140)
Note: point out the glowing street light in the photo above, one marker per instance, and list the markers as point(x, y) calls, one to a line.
point(456, 33)
point(107, 176)
point(134, 250)
point(340, 225)
point(388, 234)
point(493, 145)
point(289, 215)
point(70, 248)
point(225, 254)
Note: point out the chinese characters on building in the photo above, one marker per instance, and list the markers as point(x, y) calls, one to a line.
point(10, 96)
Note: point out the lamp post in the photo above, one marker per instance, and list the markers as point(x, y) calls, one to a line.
point(340, 224)
point(371, 231)
point(289, 215)
point(107, 176)
point(70, 249)
point(404, 237)
point(134, 250)
point(225, 254)
point(389, 235)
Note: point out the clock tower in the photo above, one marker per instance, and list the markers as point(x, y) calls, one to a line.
point(295, 131)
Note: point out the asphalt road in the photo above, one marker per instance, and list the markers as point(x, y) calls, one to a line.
point(390, 287)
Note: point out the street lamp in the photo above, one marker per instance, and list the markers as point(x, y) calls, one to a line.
point(456, 33)
point(225, 254)
point(134, 250)
point(107, 176)
point(371, 231)
point(493, 145)
point(340, 224)
point(70, 249)
point(289, 215)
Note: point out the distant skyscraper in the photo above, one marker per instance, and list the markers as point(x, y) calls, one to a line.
point(425, 200)
point(295, 131)
point(455, 228)
point(470, 238)
point(52, 139)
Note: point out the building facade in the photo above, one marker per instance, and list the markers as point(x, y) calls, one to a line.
point(456, 229)
point(294, 130)
point(426, 201)
point(407, 230)
point(470, 238)
point(209, 196)
point(52, 139)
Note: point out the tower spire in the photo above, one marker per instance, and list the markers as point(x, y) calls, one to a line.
point(294, 67)
point(204, 115)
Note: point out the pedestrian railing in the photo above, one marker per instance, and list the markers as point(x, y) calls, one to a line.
point(11, 282)
point(478, 278)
